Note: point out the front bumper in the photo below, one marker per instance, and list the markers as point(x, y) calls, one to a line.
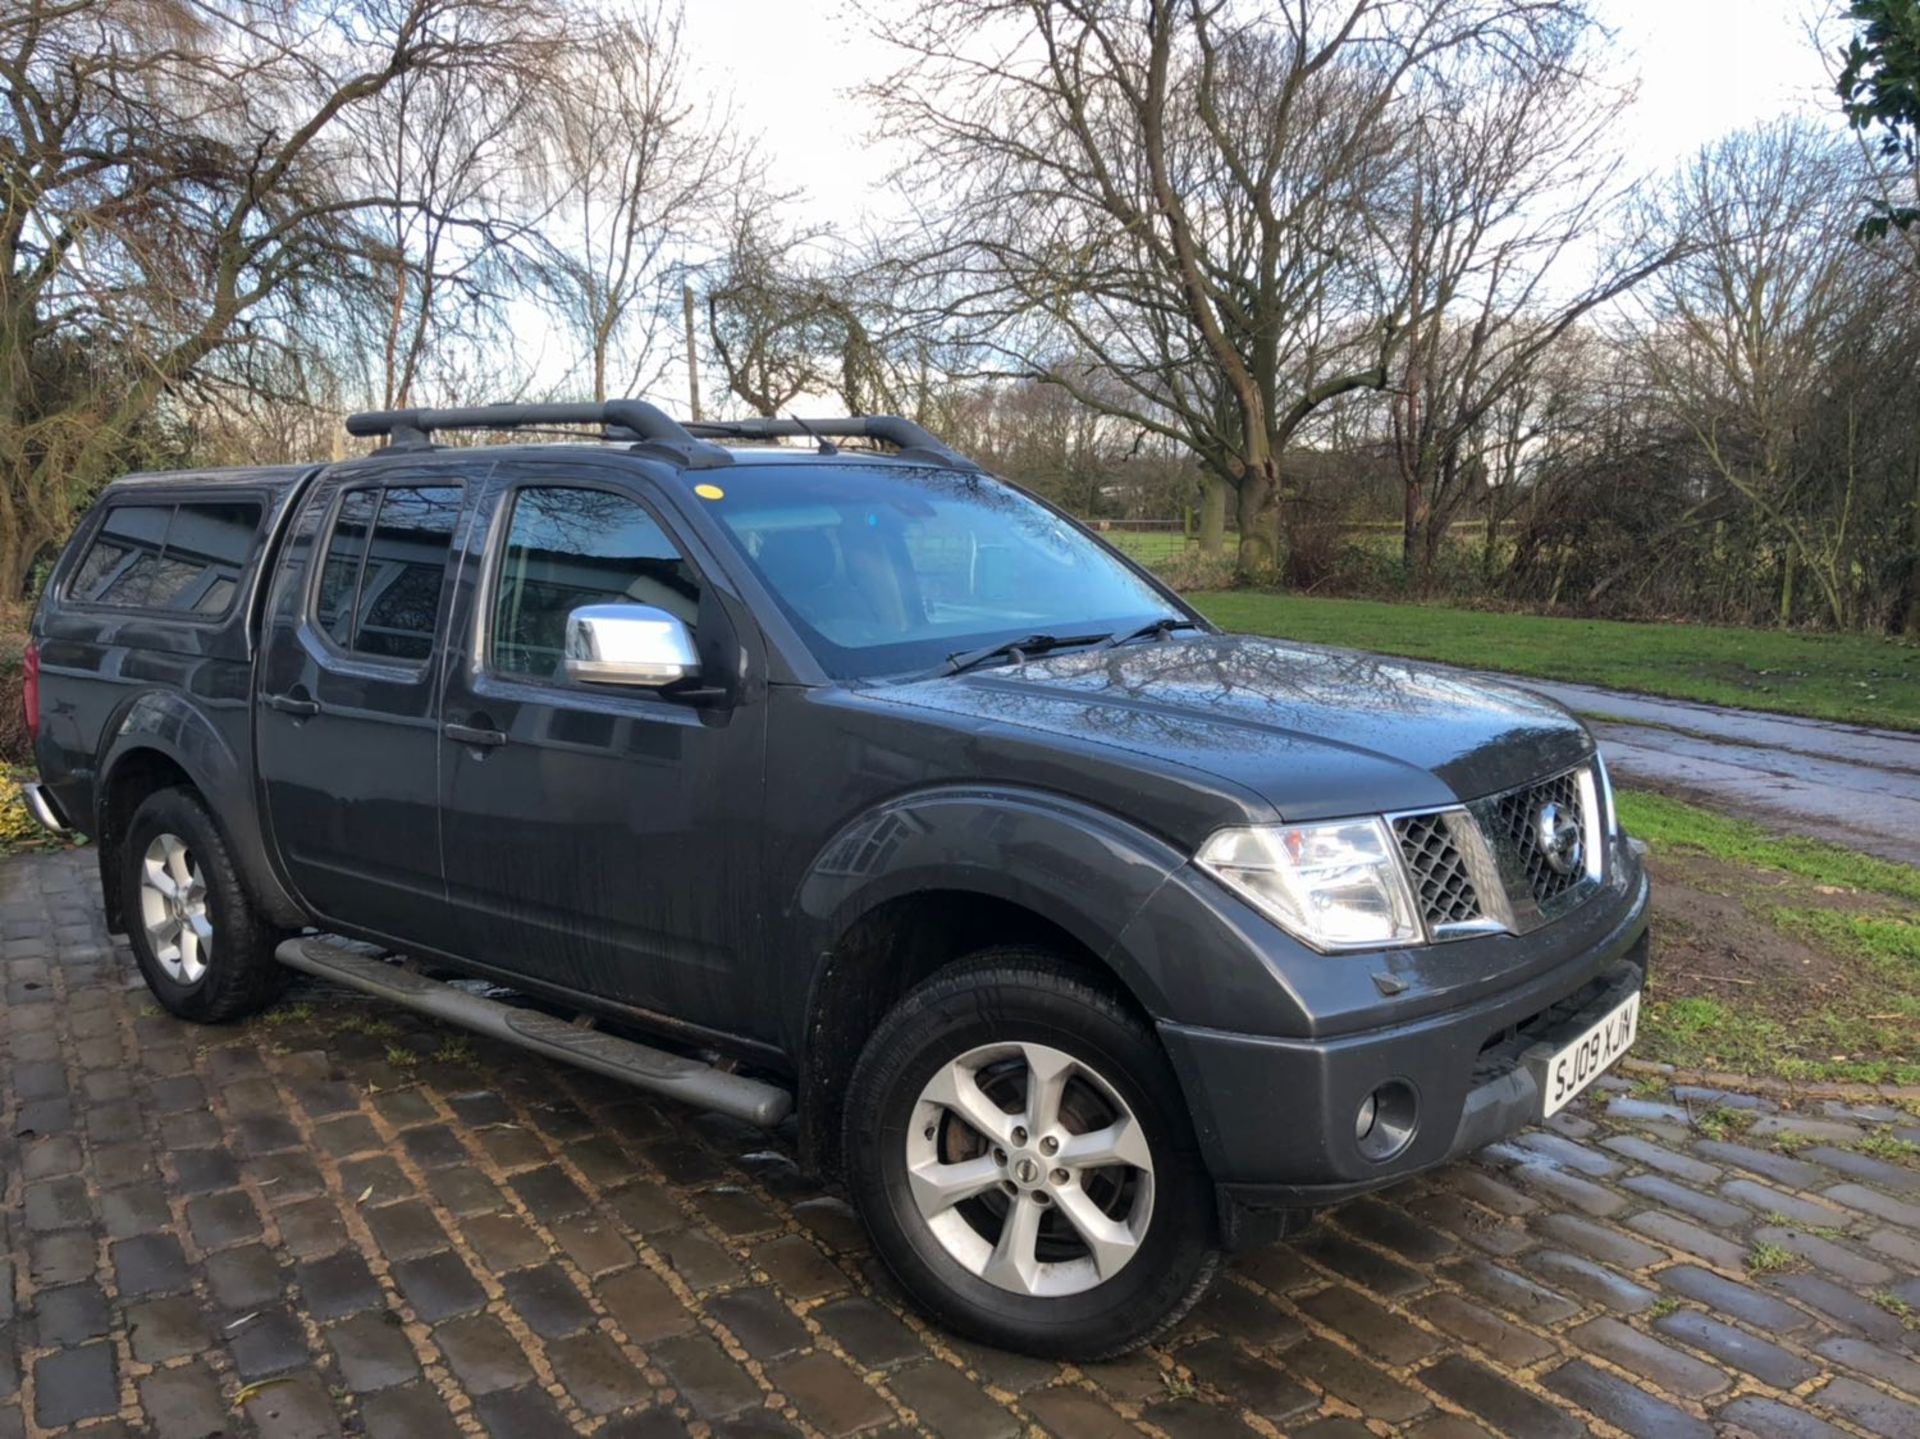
point(1276, 1116)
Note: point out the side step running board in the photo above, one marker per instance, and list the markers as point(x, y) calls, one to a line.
point(687, 1080)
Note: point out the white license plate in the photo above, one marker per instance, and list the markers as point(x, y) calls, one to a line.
point(1576, 1065)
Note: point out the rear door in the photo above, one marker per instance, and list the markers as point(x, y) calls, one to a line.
point(348, 733)
point(601, 840)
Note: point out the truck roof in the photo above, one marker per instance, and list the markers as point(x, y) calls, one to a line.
point(271, 476)
point(694, 445)
point(284, 475)
point(628, 427)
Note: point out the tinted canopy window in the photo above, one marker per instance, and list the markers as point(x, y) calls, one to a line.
point(567, 548)
point(385, 564)
point(209, 544)
point(187, 557)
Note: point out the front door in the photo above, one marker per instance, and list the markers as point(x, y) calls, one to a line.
point(599, 839)
point(346, 723)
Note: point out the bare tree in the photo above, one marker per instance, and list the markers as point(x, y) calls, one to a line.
point(279, 406)
point(1508, 177)
point(454, 148)
point(1182, 191)
point(171, 195)
point(1041, 436)
point(762, 311)
point(1745, 327)
point(647, 175)
point(793, 313)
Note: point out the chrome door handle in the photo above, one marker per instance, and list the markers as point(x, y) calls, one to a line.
point(469, 734)
point(288, 705)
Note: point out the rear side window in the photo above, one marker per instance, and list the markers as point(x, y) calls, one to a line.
point(385, 565)
point(186, 558)
point(567, 548)
point(340, 572)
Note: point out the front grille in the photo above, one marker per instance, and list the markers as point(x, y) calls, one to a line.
point(1516, 820)
point(1438, 869)
point(1485, 866)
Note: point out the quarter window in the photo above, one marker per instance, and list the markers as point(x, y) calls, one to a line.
point(385, 565)
point(184, 558)
point(573, 547)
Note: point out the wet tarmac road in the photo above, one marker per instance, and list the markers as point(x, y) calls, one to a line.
point(1845, 783)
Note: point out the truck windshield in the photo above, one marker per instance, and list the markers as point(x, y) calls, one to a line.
point(891, 569)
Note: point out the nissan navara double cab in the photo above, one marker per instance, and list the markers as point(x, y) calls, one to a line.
point(1083, 940)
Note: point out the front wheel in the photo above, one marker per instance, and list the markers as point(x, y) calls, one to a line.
point(1017, 1143)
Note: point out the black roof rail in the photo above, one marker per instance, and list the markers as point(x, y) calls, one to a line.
point(657, 432)
point(913, 441)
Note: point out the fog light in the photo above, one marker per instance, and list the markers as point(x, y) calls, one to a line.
point(1384, 1124)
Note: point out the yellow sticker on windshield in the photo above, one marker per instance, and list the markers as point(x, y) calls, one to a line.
point(710, 492)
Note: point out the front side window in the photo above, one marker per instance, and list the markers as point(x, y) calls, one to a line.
point(385, 566)
point(886, 569)
point(186, 557)
point(571, 547)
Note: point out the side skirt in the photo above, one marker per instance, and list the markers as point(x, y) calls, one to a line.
point(655, 1070)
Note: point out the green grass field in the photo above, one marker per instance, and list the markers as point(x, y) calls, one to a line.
point(1856, 678)
point(1148, 547)
point(1689, 829)
point(1775, 954)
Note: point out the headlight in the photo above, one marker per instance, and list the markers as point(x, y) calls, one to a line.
point(1335, 886)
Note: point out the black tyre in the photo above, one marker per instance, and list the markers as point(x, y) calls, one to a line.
point(205, 951)
point(1018, 1146)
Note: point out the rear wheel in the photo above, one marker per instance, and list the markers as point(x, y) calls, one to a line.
point(206, 953)
point(1019, 1148)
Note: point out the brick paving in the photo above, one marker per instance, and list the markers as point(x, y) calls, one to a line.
point(339, 1219)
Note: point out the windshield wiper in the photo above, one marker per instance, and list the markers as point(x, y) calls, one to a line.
point(1031, 644)
point(1159, 629)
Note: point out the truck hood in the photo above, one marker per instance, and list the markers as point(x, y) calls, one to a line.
point(1314, 733)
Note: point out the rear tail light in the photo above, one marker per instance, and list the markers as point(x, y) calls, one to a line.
point(30, 689)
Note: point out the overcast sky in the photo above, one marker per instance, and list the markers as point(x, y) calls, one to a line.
point(1704, 67)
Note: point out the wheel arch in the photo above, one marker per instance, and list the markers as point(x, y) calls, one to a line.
point(162, 741)
point(924, 881)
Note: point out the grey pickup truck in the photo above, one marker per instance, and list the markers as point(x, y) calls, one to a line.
point(842, 784)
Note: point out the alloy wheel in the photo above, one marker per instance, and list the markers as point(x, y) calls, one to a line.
point(1030, 1169)
point(173, 909)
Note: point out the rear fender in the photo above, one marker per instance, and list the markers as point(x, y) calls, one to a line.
point(169, 724)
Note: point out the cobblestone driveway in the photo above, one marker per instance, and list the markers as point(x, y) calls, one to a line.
point(338, 1218)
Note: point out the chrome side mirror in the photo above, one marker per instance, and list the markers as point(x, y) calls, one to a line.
point(621, 644)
